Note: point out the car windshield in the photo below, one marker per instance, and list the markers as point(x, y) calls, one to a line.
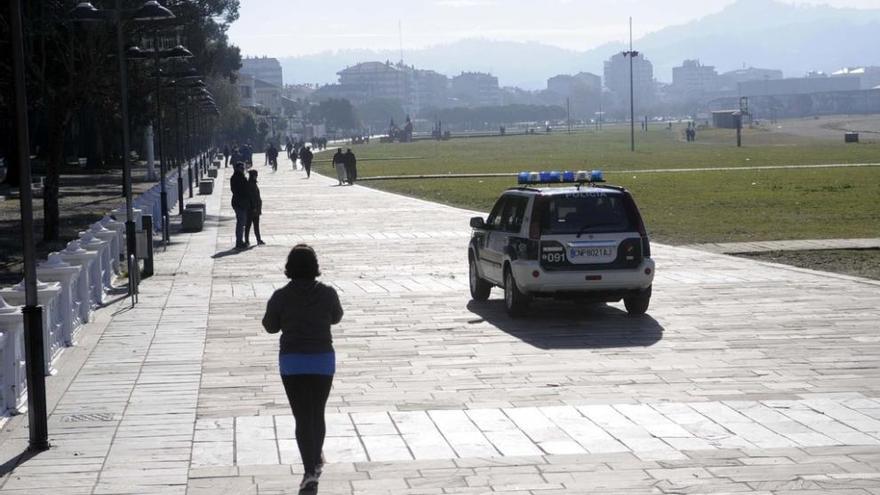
point(585, 212)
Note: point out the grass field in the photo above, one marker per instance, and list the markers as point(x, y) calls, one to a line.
point(699, 206)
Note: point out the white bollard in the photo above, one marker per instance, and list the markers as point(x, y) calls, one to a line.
point(121, 215)
point(119, 229)
point(91, 243)
point(109, 236)
point(48, 296)
point(74, 293)
point(89, 261)
point(13, 375)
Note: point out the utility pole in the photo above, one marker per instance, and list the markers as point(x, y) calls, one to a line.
point(632, 113)
point(568, 112)
point(32, 312)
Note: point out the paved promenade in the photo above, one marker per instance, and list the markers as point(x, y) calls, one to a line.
point(745, 378)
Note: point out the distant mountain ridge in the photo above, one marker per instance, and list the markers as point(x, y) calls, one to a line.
point(757, 33)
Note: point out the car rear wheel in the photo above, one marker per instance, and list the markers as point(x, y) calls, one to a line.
point(638, 304)
point(515, 301)
point(480, 289)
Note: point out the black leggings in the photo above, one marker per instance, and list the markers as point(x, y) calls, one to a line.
point(252, 221)
point(308, 395)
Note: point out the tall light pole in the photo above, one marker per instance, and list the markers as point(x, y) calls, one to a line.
point(32, 311)
point(84, 12)
point(152, 11)
point(632, 112)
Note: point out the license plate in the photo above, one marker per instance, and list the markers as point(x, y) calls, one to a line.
point(591, 252)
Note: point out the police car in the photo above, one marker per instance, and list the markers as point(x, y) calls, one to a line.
point(562, 235)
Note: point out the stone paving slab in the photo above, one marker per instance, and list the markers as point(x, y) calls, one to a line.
point(796, 245)
point(744, 378)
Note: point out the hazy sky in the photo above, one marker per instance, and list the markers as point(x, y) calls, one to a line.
point(295, 27)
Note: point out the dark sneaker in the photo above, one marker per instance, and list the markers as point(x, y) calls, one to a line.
point(309, 482)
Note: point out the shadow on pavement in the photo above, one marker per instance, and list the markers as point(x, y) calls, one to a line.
point(16, 460)
point(231, 252)
point(570, 325)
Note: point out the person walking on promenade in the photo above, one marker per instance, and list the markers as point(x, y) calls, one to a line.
point(293, 157)
point(255, 211)
point(272, 156)
point(303, 311)
point(226, 154)
point(241, 202)
point(350, 166)
point(339, 165)
point(306, 156)
point(288, 146)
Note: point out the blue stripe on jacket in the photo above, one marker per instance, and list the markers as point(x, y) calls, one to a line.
point(323, 363)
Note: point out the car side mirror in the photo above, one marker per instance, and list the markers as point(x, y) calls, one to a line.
point(478, 223)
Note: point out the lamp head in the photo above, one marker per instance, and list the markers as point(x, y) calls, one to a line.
point(85, 12)
point(152, 11)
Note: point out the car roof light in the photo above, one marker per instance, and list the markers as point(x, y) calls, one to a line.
point(556, 177)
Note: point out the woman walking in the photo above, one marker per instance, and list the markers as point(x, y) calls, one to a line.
point(256, 209)
point(303, 311)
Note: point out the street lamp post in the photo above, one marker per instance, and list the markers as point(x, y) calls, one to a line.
point(32, 312)
point(85, 11)
point(152, 11)
point(632, 113)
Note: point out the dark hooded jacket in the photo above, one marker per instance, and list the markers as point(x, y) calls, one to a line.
point(303, 311)
point(240, 191)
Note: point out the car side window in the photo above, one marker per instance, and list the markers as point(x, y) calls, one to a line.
point(495, 217)
point(514, 211)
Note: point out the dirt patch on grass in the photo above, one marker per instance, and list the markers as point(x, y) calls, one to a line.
point(857, 262)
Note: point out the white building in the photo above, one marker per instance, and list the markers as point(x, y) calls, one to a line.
point(477, 89)
point(617, 79)
point(693, 79)
point(263, 68)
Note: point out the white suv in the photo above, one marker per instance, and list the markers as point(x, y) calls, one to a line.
point(585, 241)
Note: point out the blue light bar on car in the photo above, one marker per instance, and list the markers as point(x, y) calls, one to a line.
point(555, 177)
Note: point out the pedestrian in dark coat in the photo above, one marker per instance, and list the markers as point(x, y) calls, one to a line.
point(241, 203)
point(255, 211)
point(226, 154)
point(350, 166)
point(306, 157)
point(303, 311)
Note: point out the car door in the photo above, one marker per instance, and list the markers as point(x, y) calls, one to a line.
point(491, 253)
point(509, 224)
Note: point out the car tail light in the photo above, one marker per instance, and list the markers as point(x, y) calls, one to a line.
point(640, 226)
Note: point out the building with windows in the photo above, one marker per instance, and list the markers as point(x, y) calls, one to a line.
point(370, 80)
point(247, 92)
point(815, 83)
point(617, 79)
point(477, 89)
point(869, 76)
point(263, 68)
point(729, 81)
point(694, 80)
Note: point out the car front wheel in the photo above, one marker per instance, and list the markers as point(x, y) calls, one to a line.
point(638, 304)
point(515, 301)
point(479, 288)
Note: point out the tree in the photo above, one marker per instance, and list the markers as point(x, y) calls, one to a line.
point(71, 68)
point(377, 112)
point(336, 113)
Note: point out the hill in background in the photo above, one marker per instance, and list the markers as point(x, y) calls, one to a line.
point(757, 33)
